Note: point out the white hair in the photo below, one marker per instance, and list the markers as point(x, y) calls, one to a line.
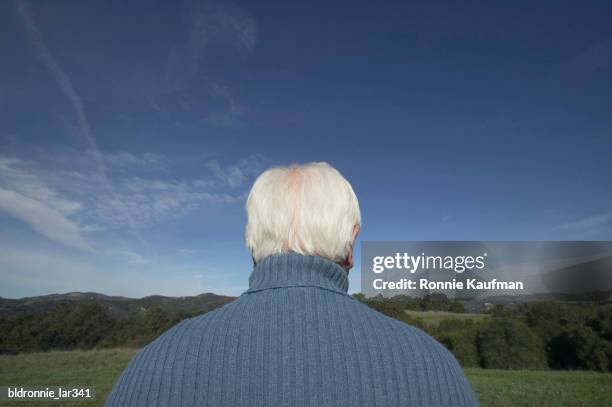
point(309, 209)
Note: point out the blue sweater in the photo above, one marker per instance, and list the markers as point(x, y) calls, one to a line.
point(294, 338)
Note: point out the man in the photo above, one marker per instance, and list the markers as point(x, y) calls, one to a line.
point(295, 337)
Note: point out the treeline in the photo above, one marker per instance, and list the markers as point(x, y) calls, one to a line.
point(543, 335)
point(395, 306)
point(85, 326)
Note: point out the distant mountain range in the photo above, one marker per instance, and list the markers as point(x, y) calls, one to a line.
point(481, 304)
point(124, 307)
point(116, 307)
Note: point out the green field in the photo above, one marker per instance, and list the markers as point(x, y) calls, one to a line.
point(504, 388)
point(495, 388)
point(434, 317)
point(97, 368)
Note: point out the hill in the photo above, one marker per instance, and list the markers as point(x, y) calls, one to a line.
point(115, 306)
point(433, 318)
point(482, 304)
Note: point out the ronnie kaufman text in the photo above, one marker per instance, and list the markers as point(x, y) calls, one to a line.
point(469, 284)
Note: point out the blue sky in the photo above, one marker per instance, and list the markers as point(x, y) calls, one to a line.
point(130, 132)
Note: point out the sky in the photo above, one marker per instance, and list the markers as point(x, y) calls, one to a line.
point(131, 132)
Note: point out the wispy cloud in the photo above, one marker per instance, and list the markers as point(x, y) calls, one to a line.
point(149, 201)
point(41, 51)
point(27, 197)
point(65, 204)
point(230, 113)
point(43, 219)
point(583, 66)
point(189, 251)
point(209, 24)
point(125, 160)
point(585, 224)
point(233, 176)
point(132, 258)
point(15, 176)
point(218, 23)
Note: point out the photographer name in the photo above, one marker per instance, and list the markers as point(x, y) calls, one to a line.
point(469, 284)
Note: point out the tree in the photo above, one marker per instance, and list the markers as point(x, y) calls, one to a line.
point(581, 348)
point(456, 307)
point(506, 343)
point(435, 302)
point(460, 338)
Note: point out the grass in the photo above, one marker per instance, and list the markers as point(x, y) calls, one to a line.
point(495, 388)
point(505, 388)
point(432, 318)
point(97, 368)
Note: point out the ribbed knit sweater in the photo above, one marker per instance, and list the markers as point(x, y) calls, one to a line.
point(294, 338)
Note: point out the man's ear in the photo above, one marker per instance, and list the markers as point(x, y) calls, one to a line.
point(349, 259)
point(356, 230)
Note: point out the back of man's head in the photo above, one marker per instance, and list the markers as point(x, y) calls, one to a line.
point(309, 209)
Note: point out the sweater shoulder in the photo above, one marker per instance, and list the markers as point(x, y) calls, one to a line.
point(409, 336)
point(185, 332)
point(421, 356)
point(163, 360)
point(199, 323)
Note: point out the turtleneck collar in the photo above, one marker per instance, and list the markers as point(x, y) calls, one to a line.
point(295, 270)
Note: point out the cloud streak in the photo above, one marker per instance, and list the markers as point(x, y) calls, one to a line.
point(65, 205)
point(210, 24)
point(14, 177)
point(230, 114)
point(132, 258)
point(27, 197)
point(43, 219)
point(40, 49)
point(585, 224)
point(215, 23)
point(586, 64)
